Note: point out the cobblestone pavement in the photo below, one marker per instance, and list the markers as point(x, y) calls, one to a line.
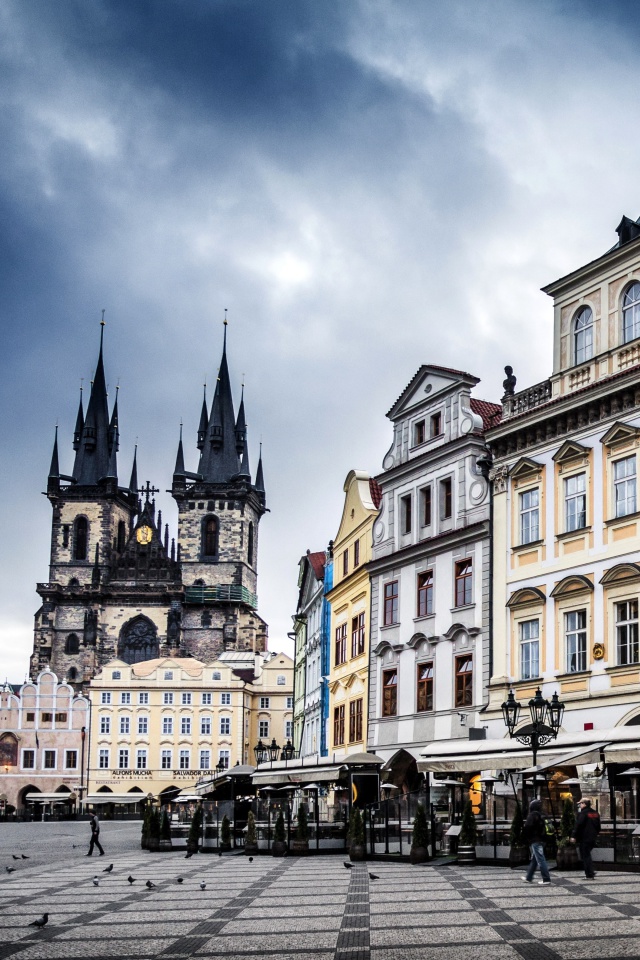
point(293, 908)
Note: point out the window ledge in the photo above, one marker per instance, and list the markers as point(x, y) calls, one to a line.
point(573, 533)
point(464, 606)
point(580, 674)
point(522, 547)
point(427, 616)
point(390, 626)
point(623, 668)
point(630, 516)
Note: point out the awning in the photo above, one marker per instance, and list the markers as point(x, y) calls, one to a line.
point(295, 776)
point(98, 798)
point(590, 755)
point(48, 797)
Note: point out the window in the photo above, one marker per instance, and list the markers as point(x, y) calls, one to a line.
point(225, 726)
point(583, 335)
point(72, 644)
point(71, 759)
point(185, 761)
point(31, 717)
point(105, 697)
point(446, 498)
point(405, 514)
point(435, 425)
point(357, 635)
point(464, 582)
point(627, 632)
point(28, 759)
point(186, 699)
point(205, 759)
point(165, 760)
point(209, 537)
point(167, 698)
point(143, 724)
point(125, 724)
point(122, 536)
point(116, 675)
point(289, 703)
point(529, 516)
point(341, 644)
point(168, 675)
point(47, 717)
point(263, 728)
point(424, 700)
point(338, 725)
point(425, 593)
point(141, 760)
point(185, 725)
point(167, 724)
point(143, 699)
point(125, 698)
point(265, 703)
point(464, 681)
point(389, 693)
point(529, 649)
point(631, 313)
point(345, 562)
point(355, 721)
point(216, 675)
point(250, 545)
point(105, 724)
point(103, 759)
point(356, 554)
point(425, 507)
point(123, 759)
point(575, 630)
point(288, 729)
point(72, 674)
point(225, 699)
point(61, 717)
point(206, 700)
point(419, 433)
point(224, 758)
point(624, 486)
point(80, 538)
point(390, 603)
point(281, 680)
point(575, 502)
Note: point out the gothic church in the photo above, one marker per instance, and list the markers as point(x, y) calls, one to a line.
point(117, 588)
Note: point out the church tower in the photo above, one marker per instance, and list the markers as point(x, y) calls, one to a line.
point(219, 511)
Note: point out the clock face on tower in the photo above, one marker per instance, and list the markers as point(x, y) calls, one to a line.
point(144, 534)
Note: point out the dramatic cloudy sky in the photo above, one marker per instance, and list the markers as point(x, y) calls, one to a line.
point(366, 186)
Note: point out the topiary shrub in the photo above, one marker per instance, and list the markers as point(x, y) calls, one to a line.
point(279, 832)
point(420, 828)
point(193, 840)
point(225, 832)
point(516, 834)
point(302, 830)
point(469, 830)
point(252, 833)
point(567, 823)
point(165, 827)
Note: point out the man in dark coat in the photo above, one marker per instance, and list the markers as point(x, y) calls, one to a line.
point(95, 835)
point(585, 834)
point(534, 834)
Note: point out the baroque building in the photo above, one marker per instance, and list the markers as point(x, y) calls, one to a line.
point(117, 587)
point(312, 645)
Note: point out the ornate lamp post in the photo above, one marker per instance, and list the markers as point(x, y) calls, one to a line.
point(273, 749)
point(288, 751)
point(261, 752)
point(546, 720)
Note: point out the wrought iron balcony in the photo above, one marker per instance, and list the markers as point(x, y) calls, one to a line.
point(221, 593)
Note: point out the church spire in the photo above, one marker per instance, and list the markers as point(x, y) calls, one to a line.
point(260, 479)
point(93, 454)
point(204, 419)
point(77, 433)
point(133, 482)
point(54, 470)
point(114, 435)
point(242, 446)
point(219, 458)
point(179, 475)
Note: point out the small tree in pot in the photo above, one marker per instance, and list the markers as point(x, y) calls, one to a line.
point(195, 830)
point(468, 836)
point(154, 830)
point(146, 818)
point(519, 849)
point(225, 833)
point(301, 842)
point(279, 846)
point(567, 855)
point(165, 831)
point(357, 849)
point(420, 839)
point(251, 841)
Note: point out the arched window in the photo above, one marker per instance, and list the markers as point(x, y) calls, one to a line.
point(122, 536)
point(72, 674)
point(631, 313)
point(80, 538)
point(72, 644)
point(209, 537)
point(583, 335)
point(250, 546)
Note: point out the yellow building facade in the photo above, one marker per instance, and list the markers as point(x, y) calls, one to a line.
point(350, 600)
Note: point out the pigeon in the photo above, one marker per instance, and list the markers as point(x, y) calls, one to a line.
point(347, 866)
point(42, 922)
point(373, 876)
point(96, 881)
point(108, 869)
point(250, 859)
point(219, 853)
point(10, 869)
point(23, 857)
point(189, 855)
point(179, 879)
point(14, 856)
point(150, 885)
point(131, 879)
point(203, 885)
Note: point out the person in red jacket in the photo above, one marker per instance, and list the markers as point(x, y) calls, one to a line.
point(585, 834)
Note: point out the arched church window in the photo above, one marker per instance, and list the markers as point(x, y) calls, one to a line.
point(122, 536)
point(138, 641)
point(80, 538)
point(209, 537)
point(72, 644)
point(250, 546)
point(631, 313)
point(583, 335)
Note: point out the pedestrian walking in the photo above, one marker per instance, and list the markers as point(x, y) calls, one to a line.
point(534, 834)
point(585, 834)
point(95, 835)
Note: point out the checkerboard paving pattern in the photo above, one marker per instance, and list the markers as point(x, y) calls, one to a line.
point(294, 908)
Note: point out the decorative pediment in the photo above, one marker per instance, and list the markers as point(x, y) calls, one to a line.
point(356, 680)
point(570, 450)
point(619, 433)
point(429, 381)
point(416, 640)
point(622, 573)
point(457, 628)
point(525, 467)
point(526, 597)
point(381, 648)
point(572, 585)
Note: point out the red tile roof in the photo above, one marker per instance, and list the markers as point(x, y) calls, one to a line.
point(375, 491)
point(317, 561)
point(491, 413)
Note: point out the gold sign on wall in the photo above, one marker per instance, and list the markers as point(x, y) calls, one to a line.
point(598, 651)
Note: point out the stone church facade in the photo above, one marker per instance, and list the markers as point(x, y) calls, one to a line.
point(117, 588)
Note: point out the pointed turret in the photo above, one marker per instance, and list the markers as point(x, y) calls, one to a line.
point(179, 475)
point(77, 433)
point(260, 479)
point(112, 470)
point(53, 482)
point(204, 420)
point(242, 446)
point(219, 458)
point(114, 436)
point(93, 455)
point(133, 482)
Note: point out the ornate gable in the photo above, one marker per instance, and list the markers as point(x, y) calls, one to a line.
point(569, 451)
point(620, 433)
point(525, 467)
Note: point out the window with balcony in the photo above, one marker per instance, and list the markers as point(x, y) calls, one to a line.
point(390, 693)
point(390, 614)
point(529, 649)
point(530, 516)
point(424, 687)
point(425, 593)
point(583, 335)
point(464, 681)
point(624, 486)
point(627, 632)
point(575, 502)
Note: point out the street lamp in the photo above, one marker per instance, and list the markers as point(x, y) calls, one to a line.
point(220, 767)
point(261, 752)
point(546, 720)
point(288, 751)
point(273, 749)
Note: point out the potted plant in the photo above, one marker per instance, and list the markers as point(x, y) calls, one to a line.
point(350, 827)
point(420, 839)
point(251, 841)
point(468, 836)
point(279, 845)
point(165, 832)
point(154, 830)
point(567, 855)
point(519, 849)
point(301, 841)
point(146, 817)
point(225, 833)
point(357, 849)
point(193, 840)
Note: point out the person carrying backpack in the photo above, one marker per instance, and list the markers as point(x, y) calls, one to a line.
point(585, 834)
point(534, 833)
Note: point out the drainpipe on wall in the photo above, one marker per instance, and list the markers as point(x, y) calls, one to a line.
point(485, 464)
